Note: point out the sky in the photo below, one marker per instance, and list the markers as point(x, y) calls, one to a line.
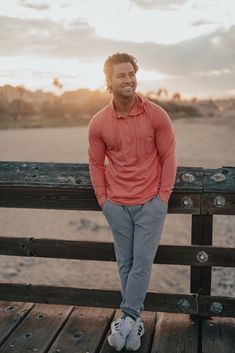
point(185, 46)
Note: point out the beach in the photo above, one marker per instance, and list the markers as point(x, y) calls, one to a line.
point(201, 142)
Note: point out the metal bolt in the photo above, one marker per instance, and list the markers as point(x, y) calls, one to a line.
point(183, 304)
point(187, 201)
point(219, 201)
point(188, 177)
point(202, 256)
point(216, 307)
point(218, 177)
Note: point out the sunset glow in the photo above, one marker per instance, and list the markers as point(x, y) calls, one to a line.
point(181, 45)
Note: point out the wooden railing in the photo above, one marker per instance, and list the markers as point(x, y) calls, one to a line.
point(199, 192)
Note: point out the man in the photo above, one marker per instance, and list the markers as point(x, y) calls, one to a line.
point(133, 189)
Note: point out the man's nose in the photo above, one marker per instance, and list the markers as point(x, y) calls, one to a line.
point(127, 79)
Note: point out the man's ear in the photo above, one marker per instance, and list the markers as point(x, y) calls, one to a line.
point(108, 85)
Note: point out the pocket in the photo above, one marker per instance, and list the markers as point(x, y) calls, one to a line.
point(105, 205)
point(164, 205)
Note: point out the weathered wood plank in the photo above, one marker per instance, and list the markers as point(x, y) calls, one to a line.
point(44, 174)
point(184, 203)
point(68, 186)
point(146, 341)
point(175, 333)
point(218, 335)
point(216, 306)
point(48, 198)
point(84, 331)
point(190, 178)
point(38, 330)
point(77, 175)
point(104, 251)
point(182, 303)
point(219, 180)
point(218, 203)
point(69, 198)
point(11, 314)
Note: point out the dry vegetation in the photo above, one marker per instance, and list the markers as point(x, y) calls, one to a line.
point(20, 108)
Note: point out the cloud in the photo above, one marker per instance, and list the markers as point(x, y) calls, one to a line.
point(202, 23)
point(158, 4)
point(35, 5)
point(209, 52)
point(48, 39)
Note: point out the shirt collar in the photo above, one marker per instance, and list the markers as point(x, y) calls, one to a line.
point(137, 109)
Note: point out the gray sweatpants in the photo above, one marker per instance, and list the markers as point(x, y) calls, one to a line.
point(137, 231)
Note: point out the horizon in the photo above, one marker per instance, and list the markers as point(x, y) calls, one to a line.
point(184, 46)
point(165, 96)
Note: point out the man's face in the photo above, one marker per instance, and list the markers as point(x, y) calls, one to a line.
point(123, 81)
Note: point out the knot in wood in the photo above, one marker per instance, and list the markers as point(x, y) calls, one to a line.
point(39, 316)
point(28, 335)
point(78, 335)
point(188, 177)
point(10, 308)
point(219, 201)
point(218, 177)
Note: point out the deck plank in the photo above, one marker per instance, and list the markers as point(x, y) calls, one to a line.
point(38, 329)
point(11, 314)
point(146, 342)
point(218, 335)
point(175, 333)
point(84, 331)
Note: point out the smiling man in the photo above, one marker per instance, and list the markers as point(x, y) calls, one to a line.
point(133, 189)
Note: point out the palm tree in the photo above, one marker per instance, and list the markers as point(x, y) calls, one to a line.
point(56, 82)
point(176, 97)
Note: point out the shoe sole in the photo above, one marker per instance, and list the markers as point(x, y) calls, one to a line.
point(114, 344)
point(132, 349)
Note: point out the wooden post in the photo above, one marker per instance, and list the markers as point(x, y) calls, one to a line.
point(201, 235)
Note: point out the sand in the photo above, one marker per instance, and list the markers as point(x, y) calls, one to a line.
point(202, 142)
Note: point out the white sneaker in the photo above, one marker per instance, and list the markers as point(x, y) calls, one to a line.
point(120, 328)
point(133, 341)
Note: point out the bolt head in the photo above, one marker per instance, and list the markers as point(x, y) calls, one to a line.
point(216, 307)
point(202, 257)
point(218, 177)
point(188, 177)
point(219, 201)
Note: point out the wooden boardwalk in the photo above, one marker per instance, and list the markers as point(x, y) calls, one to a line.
point(53, 328)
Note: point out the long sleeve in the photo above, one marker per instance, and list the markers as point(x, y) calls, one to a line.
point(96, 157)
point(166, 147)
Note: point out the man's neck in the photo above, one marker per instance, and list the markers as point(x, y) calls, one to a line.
point(124, 106)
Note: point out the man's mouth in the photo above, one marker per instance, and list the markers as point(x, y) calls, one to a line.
point(130, 87)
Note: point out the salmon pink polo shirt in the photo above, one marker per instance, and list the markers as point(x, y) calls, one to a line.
point(133, 158)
